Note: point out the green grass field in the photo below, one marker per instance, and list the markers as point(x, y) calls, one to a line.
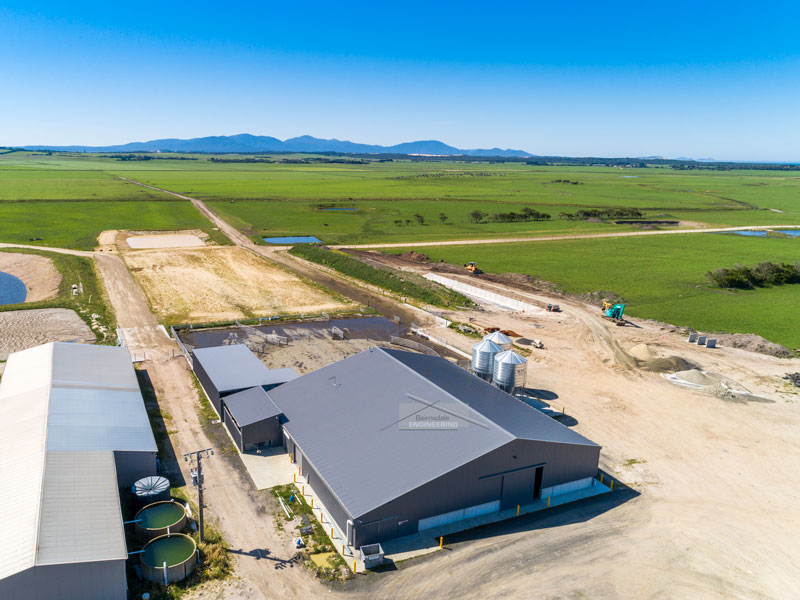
point(267, 200)
point(76, 224)
point(661, 277)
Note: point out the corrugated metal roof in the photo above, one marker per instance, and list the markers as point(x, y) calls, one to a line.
point(81, 519)
point(235, 367)
point(60, 401)
point(516, 417)
point(251, 406)
point(347, 419)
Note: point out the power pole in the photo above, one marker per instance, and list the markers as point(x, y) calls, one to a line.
point(197, 480)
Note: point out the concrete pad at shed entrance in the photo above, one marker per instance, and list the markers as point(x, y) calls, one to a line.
point(269, 468)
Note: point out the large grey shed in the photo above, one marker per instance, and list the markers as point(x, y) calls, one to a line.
point(224, 370)
point(74, 431)
point(252, 419)
point(395, 442)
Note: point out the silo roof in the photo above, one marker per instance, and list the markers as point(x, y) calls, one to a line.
point(66, 409)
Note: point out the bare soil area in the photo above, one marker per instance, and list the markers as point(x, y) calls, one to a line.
point(707, 509)
point(222, 284)
point(22, 329)
point(38, 273)
point(173, 240)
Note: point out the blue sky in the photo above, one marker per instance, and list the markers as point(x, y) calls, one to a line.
point(707, 79)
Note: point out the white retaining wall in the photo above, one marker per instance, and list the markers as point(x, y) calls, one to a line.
point(482, 294)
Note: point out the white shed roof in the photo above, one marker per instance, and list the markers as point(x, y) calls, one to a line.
point(66, 409)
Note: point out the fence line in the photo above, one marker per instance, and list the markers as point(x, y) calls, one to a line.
point(440, 342)
point(183, 348)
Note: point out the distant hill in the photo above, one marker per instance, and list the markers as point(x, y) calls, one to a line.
point(247, 143)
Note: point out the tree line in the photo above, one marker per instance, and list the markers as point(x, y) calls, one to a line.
point(763, 274)
point(605, 213)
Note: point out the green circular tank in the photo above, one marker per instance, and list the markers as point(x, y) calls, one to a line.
point(176, 552)
point(160, 518)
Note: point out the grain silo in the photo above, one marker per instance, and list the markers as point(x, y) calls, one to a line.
point(510, 369)
point(483, 354)
point(501, 339)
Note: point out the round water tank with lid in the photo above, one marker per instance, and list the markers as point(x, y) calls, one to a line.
point(501, 339)
point(509, 370)
point(151, 489)
point(483, 358)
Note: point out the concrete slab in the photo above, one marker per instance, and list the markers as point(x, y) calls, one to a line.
point(269, 468)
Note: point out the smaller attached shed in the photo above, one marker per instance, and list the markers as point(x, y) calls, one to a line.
point(225, 370)
point(253, 419)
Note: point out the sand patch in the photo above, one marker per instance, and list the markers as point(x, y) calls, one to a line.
point(222, 284)
point(38, 273)
point(643, 352)
point(24, 329)
point(172, 240)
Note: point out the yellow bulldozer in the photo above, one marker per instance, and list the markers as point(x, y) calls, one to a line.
point(472, 268)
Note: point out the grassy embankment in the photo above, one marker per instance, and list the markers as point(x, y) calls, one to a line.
point(318, 542)
point(403, 284)
point(661, 277)
point(93, 300)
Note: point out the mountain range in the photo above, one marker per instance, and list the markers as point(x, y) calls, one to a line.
point(248, 143)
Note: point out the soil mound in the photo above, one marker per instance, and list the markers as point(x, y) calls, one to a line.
point(754, 343)
point(643, 352)
point(417, 257)
point(697, 377)
point(668, 364)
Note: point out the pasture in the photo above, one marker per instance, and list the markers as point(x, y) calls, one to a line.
point(661, 277)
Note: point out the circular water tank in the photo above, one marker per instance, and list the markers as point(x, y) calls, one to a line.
point(483, 358)
point(160, 518)
point(501, 339)
point(151, 489)
point(176, 551)
point(509, 370)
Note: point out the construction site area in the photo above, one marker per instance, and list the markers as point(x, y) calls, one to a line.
point(685, 437)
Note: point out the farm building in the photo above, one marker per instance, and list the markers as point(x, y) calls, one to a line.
point(253, 419)
point(225, 370)
point(396, 442)
point(74, 430)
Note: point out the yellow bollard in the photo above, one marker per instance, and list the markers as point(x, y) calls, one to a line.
point(299, 470)
point(441, 542)
point(291, 457)
point(331, 532)
point(312, 502)
point(295, 477)
point(303, 487)
point(354, 566)
point(517, 509)
point(612, 486)
point(342, 549)
point(321, 518)
point(548, 502)
point(601, 478)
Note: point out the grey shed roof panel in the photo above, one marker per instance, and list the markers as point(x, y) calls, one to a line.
point(345, 417)
point(251, 406)
point(66, 408)
point(80, 519)
point(513, 415)
point(235, 367)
